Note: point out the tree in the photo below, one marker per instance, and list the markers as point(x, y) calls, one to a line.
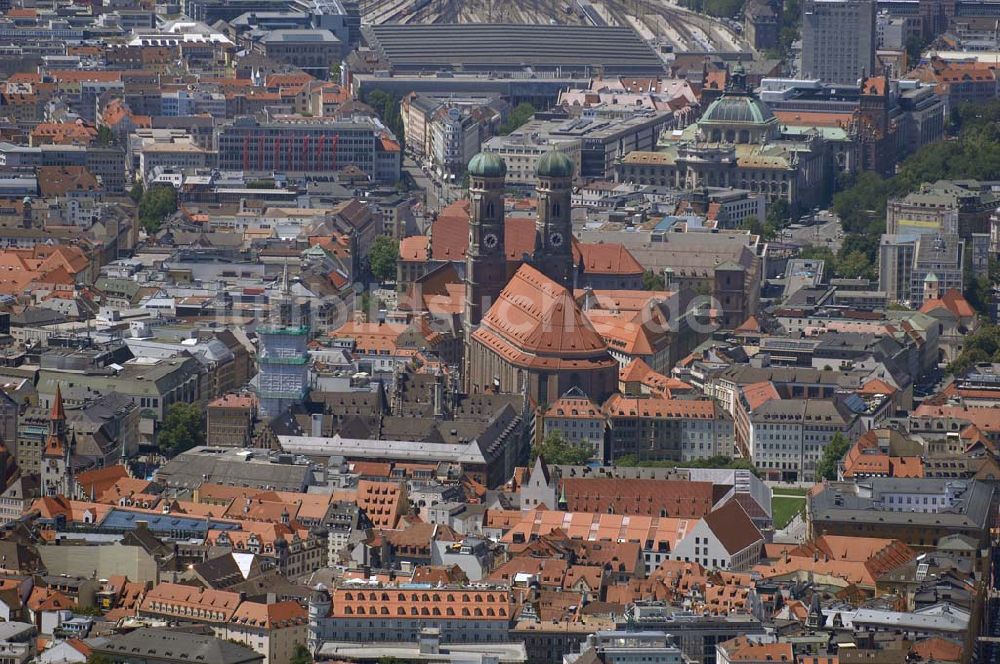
point(753, 225)
point(386, 104)
point(104, 136)
point(983, 345)
point(301, 655)
point(718, 461)
point(517, 117)
point(914, 49)
point(157, 204)
point(819, 254)
point(182, 429)
point(94, 658)
point(135, 193)
point(382, 258)
point(555, 449)
point(832, 454)
point(791, 18)
point(778, 213)
point(854, 265)
point(653, 281)
point(979, 287)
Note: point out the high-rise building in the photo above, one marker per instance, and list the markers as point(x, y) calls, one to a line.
point(916, 267)
point(838, 40)
point(283, 362)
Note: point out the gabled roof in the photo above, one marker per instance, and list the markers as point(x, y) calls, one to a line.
point(751, 324)
point(953, 301)
point(46, 599)
point(534, 317)
point(733, 528)
point(758, 394)
point(450, 232)
point(574, 404)
point(671, 498)
point(877, 386)
point(606, 259)
point(275, 615)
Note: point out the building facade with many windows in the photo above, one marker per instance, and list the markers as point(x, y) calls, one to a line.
point(310, 145)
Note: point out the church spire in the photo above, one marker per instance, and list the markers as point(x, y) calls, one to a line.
point(58, 412)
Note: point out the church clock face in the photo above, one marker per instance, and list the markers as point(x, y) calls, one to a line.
point(556, 239)
point(490, 241)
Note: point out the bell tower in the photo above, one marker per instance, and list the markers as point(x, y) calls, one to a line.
point(486, 258)
point(554, 226)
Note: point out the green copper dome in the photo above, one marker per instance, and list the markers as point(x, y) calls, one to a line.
point(736, 109)
point(554, 164)
point(487, 165)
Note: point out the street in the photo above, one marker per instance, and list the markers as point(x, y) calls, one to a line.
point(436, 195)
point(821, 235)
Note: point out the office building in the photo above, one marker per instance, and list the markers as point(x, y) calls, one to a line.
point(310, 145)
point(838, 40)
point(915, 268)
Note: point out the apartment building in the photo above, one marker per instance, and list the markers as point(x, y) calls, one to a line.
point(214, 608)
point(665, 429)
point(230, 420)
point(374, 613)
point(786, 437)
point(577, 419)
point(270, 629)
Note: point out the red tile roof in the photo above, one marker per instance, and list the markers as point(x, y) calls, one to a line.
point(660, 407)
point(938, 649)
point(450, 233)
point(953, 301)
point(536, 323)
point(672, 498)
point(733, 527)
point(606, 259)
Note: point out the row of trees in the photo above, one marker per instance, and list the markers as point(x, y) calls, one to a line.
point(719, 461)
point(386, 104)
point(555, 449)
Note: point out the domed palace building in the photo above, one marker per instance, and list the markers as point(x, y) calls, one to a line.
point(739, 143)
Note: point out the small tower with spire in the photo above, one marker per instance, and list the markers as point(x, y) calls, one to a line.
point(57, 470)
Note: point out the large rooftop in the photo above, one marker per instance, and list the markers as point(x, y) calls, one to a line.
point(497, 47)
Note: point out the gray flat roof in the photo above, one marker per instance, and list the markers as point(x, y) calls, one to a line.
point(506, 47)
point(299, 36)
point(402, 450)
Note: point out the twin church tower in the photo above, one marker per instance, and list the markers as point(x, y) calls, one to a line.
point(488, 266)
